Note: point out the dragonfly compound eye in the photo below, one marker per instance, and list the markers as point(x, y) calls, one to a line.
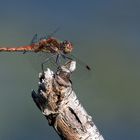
point(67, 47)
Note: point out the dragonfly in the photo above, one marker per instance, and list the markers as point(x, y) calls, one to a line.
point(58, 49)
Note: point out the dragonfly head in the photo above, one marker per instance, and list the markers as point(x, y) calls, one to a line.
point(67, 47)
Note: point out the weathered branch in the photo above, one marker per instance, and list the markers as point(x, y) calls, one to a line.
point(59, 104)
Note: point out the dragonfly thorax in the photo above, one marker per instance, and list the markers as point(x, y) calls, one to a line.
point(53, 45)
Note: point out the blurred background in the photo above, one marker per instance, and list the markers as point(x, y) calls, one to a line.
point(105, 35)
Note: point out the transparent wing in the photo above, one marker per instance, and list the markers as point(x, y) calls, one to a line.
point(36, 60)
point(34, 39)
point(83, 64)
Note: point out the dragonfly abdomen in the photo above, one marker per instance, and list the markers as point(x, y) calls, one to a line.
point(18, 49)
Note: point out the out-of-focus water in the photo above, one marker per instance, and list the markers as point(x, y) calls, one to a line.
point(105, 35)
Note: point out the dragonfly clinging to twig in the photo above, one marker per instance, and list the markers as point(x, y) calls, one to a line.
point(58, 49)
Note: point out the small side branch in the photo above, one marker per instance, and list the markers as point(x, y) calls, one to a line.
point(59, 104)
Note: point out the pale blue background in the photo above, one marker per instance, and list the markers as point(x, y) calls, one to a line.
point(105, 33)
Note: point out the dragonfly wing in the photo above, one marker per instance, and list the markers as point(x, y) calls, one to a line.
point(37, 59)
point(52, 33)
point(34, 39)
point(80, 62)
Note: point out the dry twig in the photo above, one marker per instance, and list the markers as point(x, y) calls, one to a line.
point(59, 104)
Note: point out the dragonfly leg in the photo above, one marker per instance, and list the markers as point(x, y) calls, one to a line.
point(58, 60)
point(66, 57)
point(45, 61)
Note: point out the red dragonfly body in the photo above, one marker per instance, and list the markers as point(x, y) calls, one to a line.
point(50, 45)
point(47, 45)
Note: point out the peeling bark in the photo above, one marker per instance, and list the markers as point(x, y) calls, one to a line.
point(59, 104)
